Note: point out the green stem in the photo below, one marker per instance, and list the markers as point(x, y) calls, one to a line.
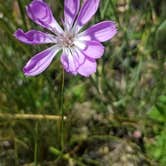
point(36, 145)
point(62, 110)
point(22, 13)
point(16, 152)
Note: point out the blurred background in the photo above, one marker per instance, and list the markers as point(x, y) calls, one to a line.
point(117, 117)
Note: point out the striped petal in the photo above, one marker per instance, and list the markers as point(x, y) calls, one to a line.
point(71, 60)
point(71, 9)
point(41, 14)
point(87, 11)
point(34, 37)
point(38, 63)
point(101, 32)
point(91, 49)
point(76, 62)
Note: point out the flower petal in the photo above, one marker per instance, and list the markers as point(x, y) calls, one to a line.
point(71, 8)
point(87, 11)
point(34, 37)
point(38, 63)
point(92, 49)
point(102, 31)
point(41, 14)
point(71, 60)
point(88, 67)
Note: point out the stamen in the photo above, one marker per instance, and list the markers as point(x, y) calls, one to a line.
point(66, 40)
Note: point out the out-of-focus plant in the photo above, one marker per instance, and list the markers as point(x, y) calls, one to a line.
point(157, 148)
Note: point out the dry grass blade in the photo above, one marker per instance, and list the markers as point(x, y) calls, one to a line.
point(32, 116)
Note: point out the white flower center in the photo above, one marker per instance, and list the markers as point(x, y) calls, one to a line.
point(66, 39)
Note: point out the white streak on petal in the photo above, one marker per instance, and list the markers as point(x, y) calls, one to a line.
point(80, 44)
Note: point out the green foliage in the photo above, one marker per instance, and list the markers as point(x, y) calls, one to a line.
point(158, 111)
point(160, 37)
point(157, 149)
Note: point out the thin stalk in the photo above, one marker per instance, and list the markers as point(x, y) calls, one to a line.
point(102, 12)
point(93, 81)
point(4, 65)
point(36, 145)
point(22, 14)
point(16, 153)
point(62, 110)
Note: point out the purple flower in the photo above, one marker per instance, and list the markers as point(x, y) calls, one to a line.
point(79, 49)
